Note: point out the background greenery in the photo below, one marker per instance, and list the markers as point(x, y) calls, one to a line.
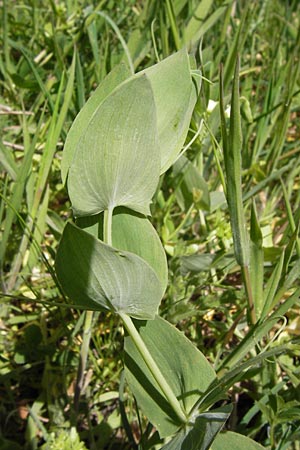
point(53, 55)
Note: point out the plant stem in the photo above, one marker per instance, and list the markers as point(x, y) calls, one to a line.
point(140, 344)
point(87, 328)
point(107, 226)
point(152, 366)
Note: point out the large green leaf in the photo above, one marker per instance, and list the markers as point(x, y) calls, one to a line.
point(175, 96)
point(119, 74)
point(200, 434)
point(234, 441)
point(97, 276)
point(133, 233)
point(186, 370)
point(117, 159)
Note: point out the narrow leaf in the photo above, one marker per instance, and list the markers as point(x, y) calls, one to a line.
point(272, 285)
point(196, 21)
point(7, 161)
point(233, 168)
point(256, 262)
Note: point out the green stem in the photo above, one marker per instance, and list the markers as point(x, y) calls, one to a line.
point(107, 226)
point(87, 329)
point(152, 366)
point(140, 344)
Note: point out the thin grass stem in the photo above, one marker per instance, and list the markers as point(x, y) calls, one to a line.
point(120, 37)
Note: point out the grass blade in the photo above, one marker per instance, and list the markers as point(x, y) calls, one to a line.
point(256, 262)
point(36, 74)
point(232, 145)
point(120, 37)
point(272, 286)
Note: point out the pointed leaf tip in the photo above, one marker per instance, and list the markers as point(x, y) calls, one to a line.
point(117, 158)
point(96, 276)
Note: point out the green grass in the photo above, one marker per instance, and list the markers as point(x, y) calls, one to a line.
point(53, 55)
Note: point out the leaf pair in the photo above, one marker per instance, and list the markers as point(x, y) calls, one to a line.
point(129, 132)
point(129, 277)
point(189, 375)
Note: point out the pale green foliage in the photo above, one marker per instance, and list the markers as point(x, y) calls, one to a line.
point(52, 59)
point(133, 233)
point(188, 373)
point(113, 79)
point(116, 161)
point(231, 440)
point(175, 95)
point(98, 276)
point(127, 133)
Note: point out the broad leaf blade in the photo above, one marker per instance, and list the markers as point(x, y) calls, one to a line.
point(135, 234)
point(119, 74)
point(97, 276)
point(188, 373)
point(234, 441)
point(117, 159)
point(175, 97)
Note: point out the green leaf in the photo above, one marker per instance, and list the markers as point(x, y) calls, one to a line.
point(271, 287)
point(196, 263)
point(193, 188)
point(96, 276)
point(133, 233)
point(7, 162)
point(185, 368)
point(256, 262)
point(117, 159)
point(58, 118)
point(232, 145)
point(257, 333)
point(209, 22)
point(201, 434)
point(119, 74)
point(234, 441)
point(197, 19)
point(175, 96)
